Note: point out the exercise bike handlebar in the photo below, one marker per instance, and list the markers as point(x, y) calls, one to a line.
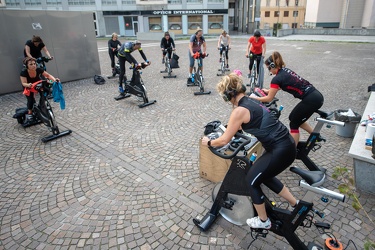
point(41, 83)
point(322, 191)
point(44, 59)
point(139, 66)
point(338, 123)
point(235, 152)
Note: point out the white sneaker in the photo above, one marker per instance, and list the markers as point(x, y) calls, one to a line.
point(257, 223)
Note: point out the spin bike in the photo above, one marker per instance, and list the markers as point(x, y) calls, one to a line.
point(42, 112)
point(254, 75)
point(312, 142)
point(223, 61)
point(136, 86)
point(197, 76)
point(167, 64)
point(40, 63)
point(232, 200)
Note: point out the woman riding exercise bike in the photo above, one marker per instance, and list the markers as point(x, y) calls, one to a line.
point(280, 150)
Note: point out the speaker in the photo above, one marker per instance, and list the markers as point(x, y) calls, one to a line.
point(229, 94)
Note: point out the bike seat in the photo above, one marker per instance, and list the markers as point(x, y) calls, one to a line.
point(323, 114)
point(313, 178)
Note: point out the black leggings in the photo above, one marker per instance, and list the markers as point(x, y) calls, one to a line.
point(30, 101)
point(222, 48)
point(305, 109)
point(112, 55)
point(169, 50)
point(252, 58)
point(122, 76)
point(269, 165)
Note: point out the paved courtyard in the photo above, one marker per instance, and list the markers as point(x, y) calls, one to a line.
point(128, 178)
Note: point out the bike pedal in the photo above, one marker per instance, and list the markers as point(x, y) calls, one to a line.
point(322, 225)
point(260, 232)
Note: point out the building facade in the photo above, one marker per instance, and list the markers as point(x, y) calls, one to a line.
point(282, 14)
point(128, 17)
point(344, 14)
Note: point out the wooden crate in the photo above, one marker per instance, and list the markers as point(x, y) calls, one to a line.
point(214, 168)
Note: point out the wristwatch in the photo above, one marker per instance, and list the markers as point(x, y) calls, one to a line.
point(209, 143)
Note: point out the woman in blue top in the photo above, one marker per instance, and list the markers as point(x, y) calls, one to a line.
point(280, 151)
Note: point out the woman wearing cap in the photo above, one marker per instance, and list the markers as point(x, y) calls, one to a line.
point(30, 74)
point(289, 81)
point(224, 45)
point(280, 152)
point(256, 47)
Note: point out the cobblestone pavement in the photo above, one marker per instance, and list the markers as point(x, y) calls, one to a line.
point(128, 178)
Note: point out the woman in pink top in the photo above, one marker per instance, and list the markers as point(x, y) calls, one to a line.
point(256, 47)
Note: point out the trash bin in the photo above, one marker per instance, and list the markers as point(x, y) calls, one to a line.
point(351, 120)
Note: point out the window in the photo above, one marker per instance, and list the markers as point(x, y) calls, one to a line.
point(109, 2)
point(297, 2)
point(232, 5)
point(214, 1)
point(81, 2)
point(277, 2)
point(276, 14)
point(294, 25)
point(267, 14)
point(33, 2)
point(286, 13)
point(268, 3)
point(194, 22)
point(174, 1)
point(287, 2)
point(12, 2)
point(53, 2)
point(215, 24)
point(155, 24)
point(295, 13)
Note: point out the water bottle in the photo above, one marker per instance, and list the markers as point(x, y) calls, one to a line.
point(253, 157)
point(192, 78)
point(281, 107)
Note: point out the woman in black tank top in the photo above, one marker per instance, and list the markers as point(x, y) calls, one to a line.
point(280, 151)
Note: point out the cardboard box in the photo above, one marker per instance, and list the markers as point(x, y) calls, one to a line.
point(214, 168)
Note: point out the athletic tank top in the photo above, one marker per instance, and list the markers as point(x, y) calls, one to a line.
point(224, 40)
point(263, 125)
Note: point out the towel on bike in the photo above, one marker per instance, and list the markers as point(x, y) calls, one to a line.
point(58, 95)
point(261, 74)
point(174, 61)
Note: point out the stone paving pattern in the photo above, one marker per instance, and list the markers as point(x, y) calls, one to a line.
point(128, 178)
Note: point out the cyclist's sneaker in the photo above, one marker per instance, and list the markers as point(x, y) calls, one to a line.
point(227, 66)
point(121, 90)
point(162, 61)
point(220, 59)
point(257, 223)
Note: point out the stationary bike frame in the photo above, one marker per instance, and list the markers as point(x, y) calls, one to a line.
point(43, 111)
point(223, 60)
point(198, 77)
point(136, 87)
point(304, 147)
point(167, 64)
point(254, 75)
point(283, 221)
